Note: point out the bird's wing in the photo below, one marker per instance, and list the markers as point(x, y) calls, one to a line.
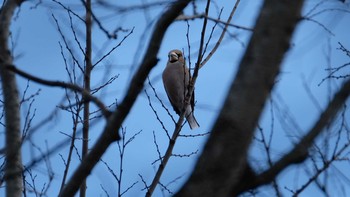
point(171, 102)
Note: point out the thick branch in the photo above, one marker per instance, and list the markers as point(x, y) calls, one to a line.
point(222, 163)
point(87, 81)
point(110, 132)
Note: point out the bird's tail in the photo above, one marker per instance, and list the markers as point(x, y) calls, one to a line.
point(191, 119)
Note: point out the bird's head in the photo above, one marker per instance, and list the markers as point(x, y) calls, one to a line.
point(175, 55)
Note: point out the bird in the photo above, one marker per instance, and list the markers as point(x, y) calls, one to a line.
point(176, 77)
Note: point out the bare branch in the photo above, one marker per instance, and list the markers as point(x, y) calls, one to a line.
point(184, 17)
point(155, 113)
point(300, 151)
point(217, 44)
point(115, 47)
point(132, 8)
point(87, 85)
point(320, 24)
point(110, 134)
point(61, 84)
point(103, 29)
point(75, 118)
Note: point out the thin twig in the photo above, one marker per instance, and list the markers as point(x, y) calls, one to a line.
point(186, 18)
point(104, 30)
point(155, 113)
point(115, 47)
point(69, 49)
point(211, 34)
point(221, 36)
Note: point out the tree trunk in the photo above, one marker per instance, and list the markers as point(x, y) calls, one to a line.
point(13, 166)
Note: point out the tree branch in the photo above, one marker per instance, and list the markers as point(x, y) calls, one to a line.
point(300, 151)
point(61, 84)
point(87, 85)
point(217, 44)
point(185, 17)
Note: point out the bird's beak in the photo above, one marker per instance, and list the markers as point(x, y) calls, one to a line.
point(173, 57)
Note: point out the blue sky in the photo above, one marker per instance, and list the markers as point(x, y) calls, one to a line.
point(37, 51)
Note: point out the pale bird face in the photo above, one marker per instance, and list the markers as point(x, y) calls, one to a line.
point(173, 57)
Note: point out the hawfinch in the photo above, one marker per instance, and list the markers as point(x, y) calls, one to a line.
point(176, 78)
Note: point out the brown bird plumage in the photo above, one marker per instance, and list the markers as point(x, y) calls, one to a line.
point(176, 78)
